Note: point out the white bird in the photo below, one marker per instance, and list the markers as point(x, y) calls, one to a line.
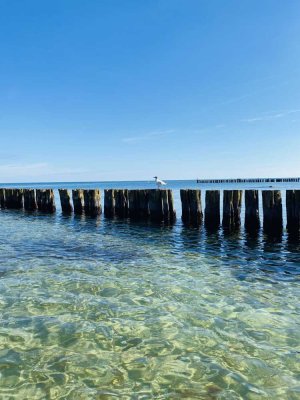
point(159, 182)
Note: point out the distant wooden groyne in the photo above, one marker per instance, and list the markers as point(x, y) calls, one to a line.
point(158, 205)
point(249, 180)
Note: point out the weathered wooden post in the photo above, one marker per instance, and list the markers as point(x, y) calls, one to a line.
point(138, 203)
point(65, 201)
point(14, 198)
point(8, 198)
point(30, 203)
point(232, 203)
point(78, 201)
point(109, 202)
point(185, 206)
point(237, 206)
point(191, 206)
point(45, 200)
point(133, 203)
point(143, 204)
point(161, 205)
point(196, 214)
point(272, 207)
point(92, 205)
point(293, 210)
point(252, 221)
point(165, 204)
point(156, 205)
point(172, 211)
point(212, 208)
point(121, 198)
point(2, 197)
point(227, 208)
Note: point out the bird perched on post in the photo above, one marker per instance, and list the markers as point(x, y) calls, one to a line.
point(159, 182)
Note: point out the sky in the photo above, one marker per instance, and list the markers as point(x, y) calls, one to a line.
point(101, 90)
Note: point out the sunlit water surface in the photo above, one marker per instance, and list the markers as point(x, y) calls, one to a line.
point(104, 309)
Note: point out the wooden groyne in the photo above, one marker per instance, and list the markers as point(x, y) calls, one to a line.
point(248, 180)
point(158, 205)
point(252, 220)
point(45, 200)
point(14, 198)
point(122, 203)
point(2, 198)
point(116, 203)
point(191, 206)
point(109, 203)
point(153, 204)
point(138, 204)
point(293, 210)
point(30, 203)
point(212, 209)
point(65, 201)
point(161, 205)
point(272, 209)
point(232, 205)
point(92, 205)
point(78, 201)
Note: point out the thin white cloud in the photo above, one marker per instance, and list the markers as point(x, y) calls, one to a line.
point(20, 171)
point(270, 115)
point(147, 136)
point(22, 167)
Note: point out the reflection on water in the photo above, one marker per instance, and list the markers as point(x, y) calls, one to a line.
point(104, 309)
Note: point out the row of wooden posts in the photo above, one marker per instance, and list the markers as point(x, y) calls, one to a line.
point(154, 204)
point(158, 205)
point(232, 205)
point(84, 201)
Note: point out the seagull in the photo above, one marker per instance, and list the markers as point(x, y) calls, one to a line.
point(159, 182)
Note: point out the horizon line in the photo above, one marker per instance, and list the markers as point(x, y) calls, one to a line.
point(147, 180)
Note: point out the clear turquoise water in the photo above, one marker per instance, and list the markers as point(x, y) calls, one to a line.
point(106, 309)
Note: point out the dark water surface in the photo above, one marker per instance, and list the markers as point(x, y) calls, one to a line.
point(106, 309)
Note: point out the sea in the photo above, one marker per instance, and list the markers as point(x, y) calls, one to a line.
point(97, 308)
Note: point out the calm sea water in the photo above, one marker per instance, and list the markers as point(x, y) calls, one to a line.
point(112, 309)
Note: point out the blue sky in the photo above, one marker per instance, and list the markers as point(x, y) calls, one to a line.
point(129, 89)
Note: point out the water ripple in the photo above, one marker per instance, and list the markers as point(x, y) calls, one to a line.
point(113, 309)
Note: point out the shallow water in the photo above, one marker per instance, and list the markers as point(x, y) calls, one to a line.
point(104, 309)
